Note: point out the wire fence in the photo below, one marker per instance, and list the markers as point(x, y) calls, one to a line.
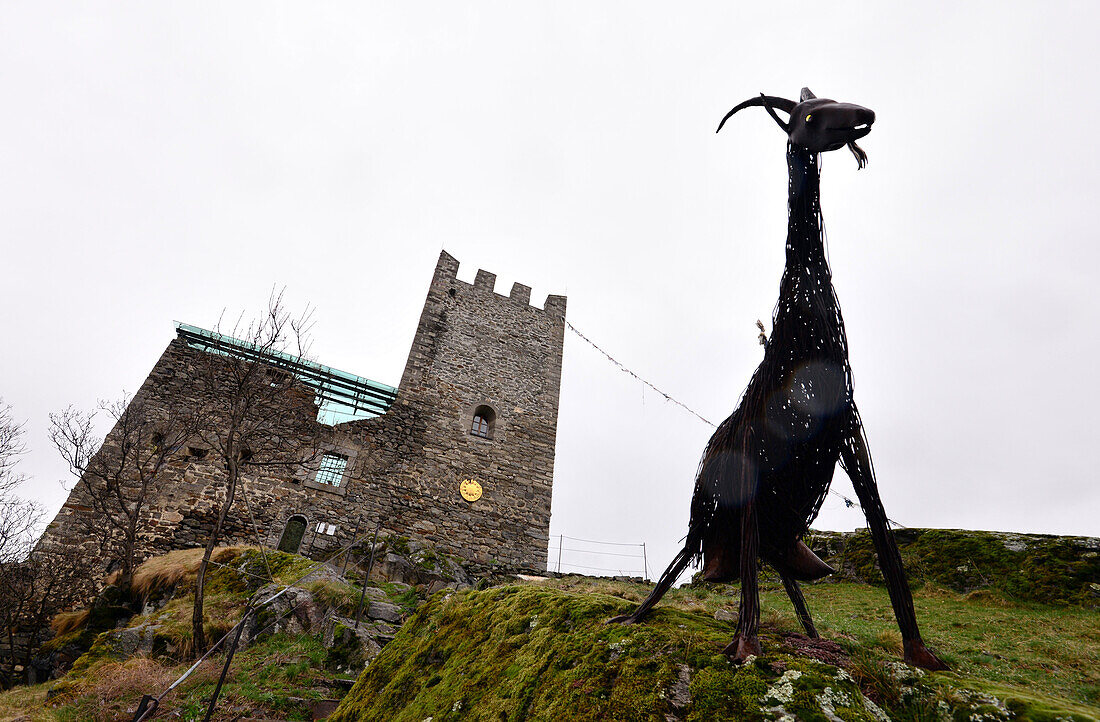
point(628, 559)
point(848, 503)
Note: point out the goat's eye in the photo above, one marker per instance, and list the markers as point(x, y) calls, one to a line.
point(809, 117)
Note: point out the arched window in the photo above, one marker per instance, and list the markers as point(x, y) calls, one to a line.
point(293, 532)
point(484, 422)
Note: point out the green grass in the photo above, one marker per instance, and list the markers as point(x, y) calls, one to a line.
point(1029, 645)
point(264, 678)
point(272, 679)
point(981, 635)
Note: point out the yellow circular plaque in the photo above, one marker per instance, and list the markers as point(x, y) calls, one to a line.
point(470, 489)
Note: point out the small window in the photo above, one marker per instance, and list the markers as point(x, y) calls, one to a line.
point(332, 469)
point(480, 427)
point(483, 422)
point(195, 453)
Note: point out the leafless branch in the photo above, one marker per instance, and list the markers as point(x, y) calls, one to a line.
point(120, 477)
point(11, 448)
point(254, 415)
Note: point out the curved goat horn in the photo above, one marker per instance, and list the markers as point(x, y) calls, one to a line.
point(767, 101)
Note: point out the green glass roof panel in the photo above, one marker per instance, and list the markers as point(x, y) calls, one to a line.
point(341, 396)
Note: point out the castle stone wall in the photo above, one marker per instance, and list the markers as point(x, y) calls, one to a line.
point(473, 347)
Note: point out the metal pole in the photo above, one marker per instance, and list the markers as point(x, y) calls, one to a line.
point(312, 541)
point(560, 538)
point(354, 536)
point(366, 577)
point(225, 668)
point(645, 562)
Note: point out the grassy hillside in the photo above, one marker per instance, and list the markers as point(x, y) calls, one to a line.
point(279, 676)
point(543, 652)
point(1028, 567)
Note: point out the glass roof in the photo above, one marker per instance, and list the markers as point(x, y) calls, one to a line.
point(340, 396)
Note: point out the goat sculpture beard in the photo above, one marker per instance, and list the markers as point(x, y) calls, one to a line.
point(767, 468)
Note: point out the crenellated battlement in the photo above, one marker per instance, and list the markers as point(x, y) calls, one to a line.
point(446, 273)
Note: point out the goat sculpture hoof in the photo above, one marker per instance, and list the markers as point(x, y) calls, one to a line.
point(623, 619)
point(920, 656)
point(741, 648)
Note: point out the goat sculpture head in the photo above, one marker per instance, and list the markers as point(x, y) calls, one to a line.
point(817, 124)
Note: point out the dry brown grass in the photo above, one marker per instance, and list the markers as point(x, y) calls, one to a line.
point(610, 587)
point(136, 676)
point(23, 703)
point(170, 569)
point(207, 673)
point(118, 685)
point(780, 619)
point(68, 621)
point(890, 640)
point(989, 598)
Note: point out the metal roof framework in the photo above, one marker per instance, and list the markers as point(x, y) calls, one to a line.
point(340, 396)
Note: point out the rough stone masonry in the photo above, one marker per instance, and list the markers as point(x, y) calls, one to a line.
point(478, 400)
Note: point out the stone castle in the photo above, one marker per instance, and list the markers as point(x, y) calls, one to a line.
point(478, 402)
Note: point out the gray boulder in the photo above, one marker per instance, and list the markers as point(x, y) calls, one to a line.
point(350, 649)
point(293, 612)
point(385, 611)
point(376, 595)
point(420, 565)
point(133, 640)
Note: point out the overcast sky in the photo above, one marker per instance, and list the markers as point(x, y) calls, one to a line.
point(166, 161)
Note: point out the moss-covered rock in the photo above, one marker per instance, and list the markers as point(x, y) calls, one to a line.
point(1029, 567)
point(537, 653)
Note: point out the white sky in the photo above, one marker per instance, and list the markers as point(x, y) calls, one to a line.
point(163, 161)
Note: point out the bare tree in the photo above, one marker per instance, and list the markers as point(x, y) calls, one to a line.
point(33, 585)
point(11, 448)
point(122, 477)
point(255, 415)
point(18, 517)
point(32, 591)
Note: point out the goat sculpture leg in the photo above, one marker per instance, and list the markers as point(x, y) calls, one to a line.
point(678, 565)
point(856, 461)
point(799, 602)
point(748, 616)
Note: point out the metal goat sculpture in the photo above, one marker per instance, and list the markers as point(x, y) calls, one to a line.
point(766, 470)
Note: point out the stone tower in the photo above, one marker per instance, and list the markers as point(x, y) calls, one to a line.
point(482, 381)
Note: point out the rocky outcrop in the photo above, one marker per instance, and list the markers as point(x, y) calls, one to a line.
point(532, 652)
point(416, 564)
point(351, 647)
point(131, 641)
point(292, 611)
point(1032, 567)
